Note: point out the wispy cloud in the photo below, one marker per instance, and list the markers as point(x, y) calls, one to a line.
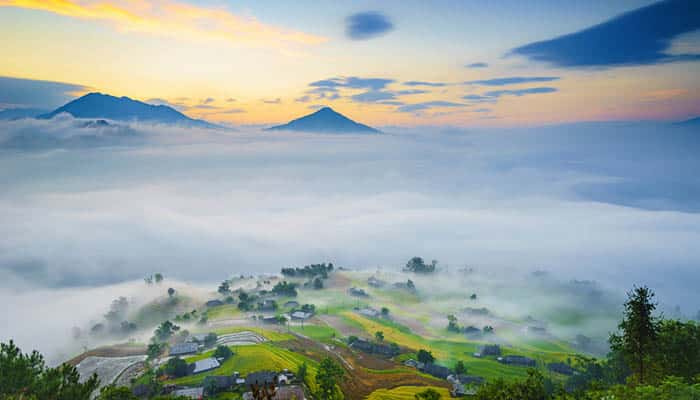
point(477, 65)
point(21, 93)
point(512, 80)
point(520, 92)
point(411, 108)
point(639, 37)
point(272, 101)
point(367, 25)
point(171, 18)
point(423, 83)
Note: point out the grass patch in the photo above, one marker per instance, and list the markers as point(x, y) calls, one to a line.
point(405, 393)
point(269, 334)
point(253, 358)
point(316, 332)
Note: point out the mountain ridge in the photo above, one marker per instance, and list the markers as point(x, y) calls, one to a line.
point(327, 120)
point(104, 106)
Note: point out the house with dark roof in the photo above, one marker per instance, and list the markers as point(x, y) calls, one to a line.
point(560, 368)
point(435, 370)
point(490, 350)
point(517, 360)
point(267, 305)
point(289, 393)
point(183, 348)
point(300, 315)
point(375, 282)
point(142, 391)
point(292, 304)
point(375, 348)
point(214, 303)
point(221, 383)
point(357, 292)
point(261, 378)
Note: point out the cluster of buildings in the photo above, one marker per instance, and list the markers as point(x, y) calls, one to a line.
point(462, 384)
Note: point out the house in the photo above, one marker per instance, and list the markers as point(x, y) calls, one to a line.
point(204, 365)
point(517, 360)
point(270, 320)
point(193, 393)
point(300, 315)
point(214, 303)
point(368, 312)
point(374, 282)
point(221, 383)
point(183, 348)
point(282, 379)
point(291, 304)
point(469, 379)
point(490, 350)
point(261, 378)
point(357, 292)
point(560, 368)
point(472, 332)
point(459, 390)
point(411, 363)
point(435, 370)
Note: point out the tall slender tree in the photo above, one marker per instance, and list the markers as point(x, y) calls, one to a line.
point(638, 331)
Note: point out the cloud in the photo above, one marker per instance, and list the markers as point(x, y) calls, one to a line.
point(512, 80)
point(230, 100)
point(303, 99)
point(423, 83)
point(639, 37)
point(232, 111)
point(477, 65)
point(328, 88)
point(367, 25)
point(520, 92)
point(373, 96)
point(272, 101)
point(30, 93)
point(481, 110)
point(367, 83)
point(208, 100)
point(172, 18)
point(410, 108)
point(479, 98)
point(411, 92)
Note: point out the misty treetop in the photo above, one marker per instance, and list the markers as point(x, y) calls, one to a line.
point(309, 271)
point(418, 266)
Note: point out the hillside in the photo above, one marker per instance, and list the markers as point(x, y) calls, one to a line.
point(325, 120)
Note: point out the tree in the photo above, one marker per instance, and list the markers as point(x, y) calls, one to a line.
point(25, 376)
point(379, 335)
point(171, 292)
point(165, 331)
point(223, 352)
point(417, 265)
point(460, 368)
point(329, 372)
point(210, 387)
point(385, 312)
point(352, 339)
point(176, 367)
point(452, 325)
point(303, 370)
point(473, 296)
point(532, 388)
point(488, 329)
point(158, 277)
point(154, 350)
point(224, 288)
point(638, 331)
point(112, 392)
point(210, 339)
point(428, 394)
point(318, 283)
point(425, 356)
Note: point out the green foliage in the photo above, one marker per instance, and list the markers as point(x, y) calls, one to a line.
point(532, 388)
point(285, 288)
point(154, 350)
point(428, 394)
point(318, 283)
point(452, 324)
point(222, 352)
point(26, 376)
point(418, 266)
point(385, 312)
point(638, 331)
point(302, 372)
point(164, 331)
point(171, 292)
point(112, 392)
point(224, 288)
point(460, 368)
point(329, 372)
point(158, 277)
point(379, 335)
point(425, 356)
point(176, 367)
point(320, 270)
point(352, 339)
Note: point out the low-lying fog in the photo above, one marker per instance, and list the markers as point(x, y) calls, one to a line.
point(85, 209)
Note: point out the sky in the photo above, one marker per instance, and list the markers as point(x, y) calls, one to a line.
point(394, 63)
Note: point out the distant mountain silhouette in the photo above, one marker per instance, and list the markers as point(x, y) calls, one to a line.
point(104, 106)
point(19, 113)
point(325, 120)
point(690, 122)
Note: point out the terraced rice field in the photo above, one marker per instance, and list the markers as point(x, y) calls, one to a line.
point(242, 338)
point(106, 368)
point(405, 393)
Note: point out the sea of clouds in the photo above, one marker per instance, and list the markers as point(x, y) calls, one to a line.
point(85, 209)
